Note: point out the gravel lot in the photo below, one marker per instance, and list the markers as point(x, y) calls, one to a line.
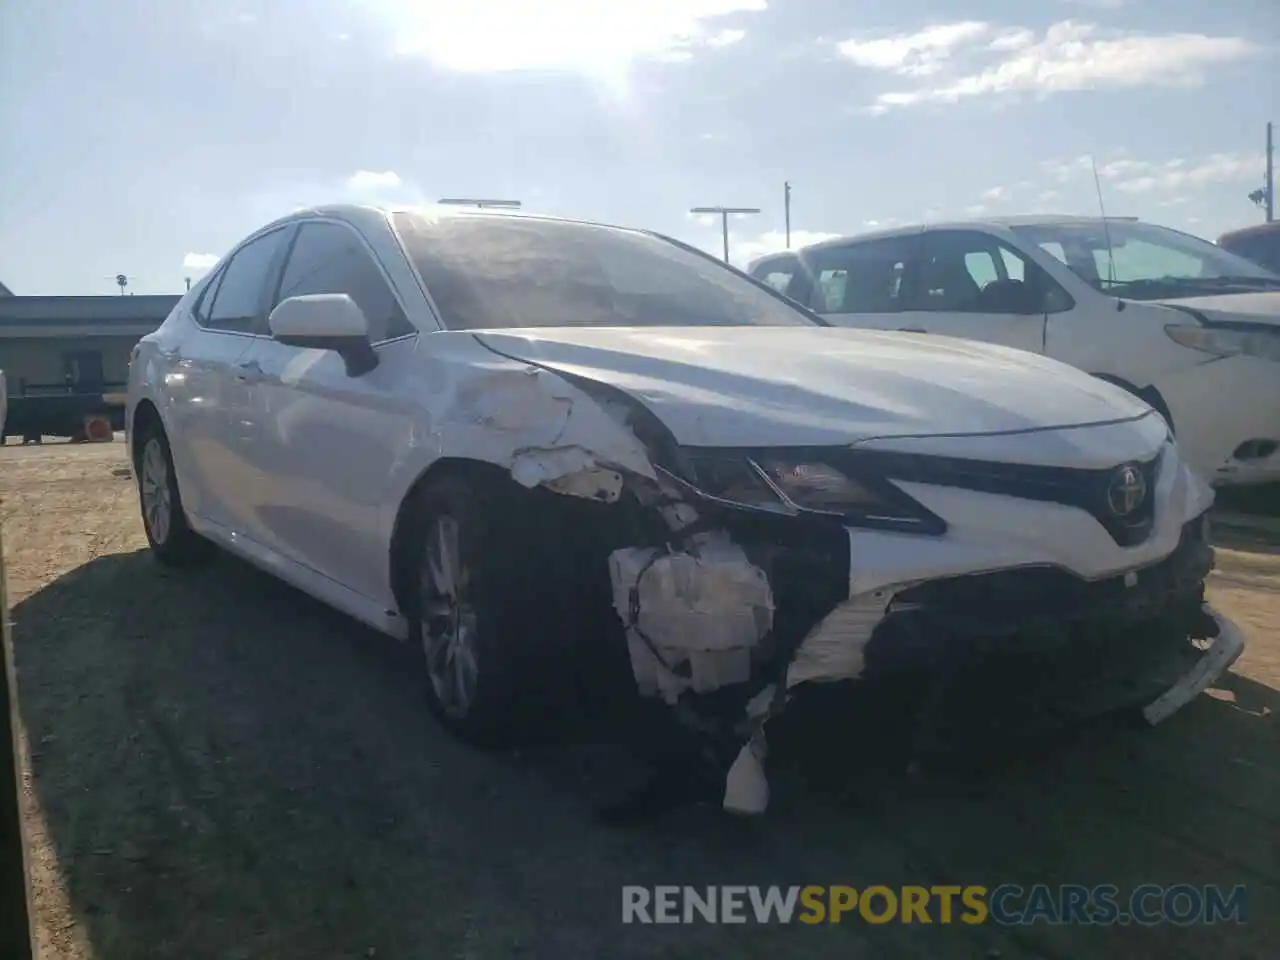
point(218, 767)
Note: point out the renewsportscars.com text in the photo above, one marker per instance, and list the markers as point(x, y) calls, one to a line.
point(1007, 904)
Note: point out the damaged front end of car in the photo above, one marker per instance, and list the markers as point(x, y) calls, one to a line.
point(760, 571)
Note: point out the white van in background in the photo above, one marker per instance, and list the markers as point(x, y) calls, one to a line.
point(1187, 326)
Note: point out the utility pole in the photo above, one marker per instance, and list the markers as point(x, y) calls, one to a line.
point(724, 220)
point(1271, 176)
point(479, 203)
point(786, 206)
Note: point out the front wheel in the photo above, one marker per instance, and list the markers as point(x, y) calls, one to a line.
point(164, 521)
point(468, 594)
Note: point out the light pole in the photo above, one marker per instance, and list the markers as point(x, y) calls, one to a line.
point(724, 220)
point(786, 206)
point(480, 203)
point(1271, 176)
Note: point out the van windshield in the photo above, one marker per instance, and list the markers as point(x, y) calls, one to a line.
point(1145, 261)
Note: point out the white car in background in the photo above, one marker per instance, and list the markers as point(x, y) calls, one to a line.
point(1190, 328)
point(528, 444)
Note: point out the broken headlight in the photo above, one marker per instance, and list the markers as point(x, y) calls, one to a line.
point(765, 481)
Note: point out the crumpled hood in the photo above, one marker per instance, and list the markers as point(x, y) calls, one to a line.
point(769, 386)
point(1261, 307)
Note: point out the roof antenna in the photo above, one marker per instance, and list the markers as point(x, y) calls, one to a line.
point(1106, 230)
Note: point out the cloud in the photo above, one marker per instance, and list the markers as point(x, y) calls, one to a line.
point(1133, 176)
point(1179, 174)
point(372, 181)
point(974, 58)
point(725, 38)
point(495, 36)
point(199, 261)
point(913, 54)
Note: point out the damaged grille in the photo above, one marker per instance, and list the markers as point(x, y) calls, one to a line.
point(1085, 489)
point(1042, 606)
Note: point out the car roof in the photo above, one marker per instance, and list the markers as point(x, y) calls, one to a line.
point(372, 215)
point(983, 223)
point(1258, 229)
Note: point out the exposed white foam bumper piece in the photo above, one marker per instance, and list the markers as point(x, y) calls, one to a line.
point(835, 648)
point(1222, 653)
point(693, 615)
point(746, 788)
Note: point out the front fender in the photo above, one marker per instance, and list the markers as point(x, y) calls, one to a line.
point(531, 422)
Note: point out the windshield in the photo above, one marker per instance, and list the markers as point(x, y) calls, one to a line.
point(1143, 260)
point(486, 271)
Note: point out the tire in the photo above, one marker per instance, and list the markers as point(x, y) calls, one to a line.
point(471, 613)
point(173, 542)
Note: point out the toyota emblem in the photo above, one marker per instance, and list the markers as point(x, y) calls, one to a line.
point(1127, 490)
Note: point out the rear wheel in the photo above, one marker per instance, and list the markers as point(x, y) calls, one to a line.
point(171, 538)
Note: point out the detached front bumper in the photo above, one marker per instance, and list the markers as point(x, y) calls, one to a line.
point(735, 623)
point(1019, 653)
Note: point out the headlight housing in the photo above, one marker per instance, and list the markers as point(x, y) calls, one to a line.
point(1262, 343)
point(793, 485)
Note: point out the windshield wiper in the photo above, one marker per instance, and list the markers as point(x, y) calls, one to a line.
point(1238, 281)
point(1215, 283)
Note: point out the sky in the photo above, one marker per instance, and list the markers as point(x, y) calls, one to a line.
point(147, 138)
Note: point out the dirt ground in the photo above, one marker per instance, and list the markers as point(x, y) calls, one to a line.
point(218, 767)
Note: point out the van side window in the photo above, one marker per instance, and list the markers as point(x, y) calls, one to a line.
point(968, 271)
point(865, 277)
point(777, 273)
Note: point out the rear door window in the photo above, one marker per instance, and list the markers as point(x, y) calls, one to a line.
point(239, 302)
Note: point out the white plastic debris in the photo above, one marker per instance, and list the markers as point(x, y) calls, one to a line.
point(572, 471)
point(835, 649)
point(1222, 653)
point(702, 610)
point(746, 788)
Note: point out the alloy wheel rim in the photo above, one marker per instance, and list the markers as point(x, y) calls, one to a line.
point(156, 494)
point(448, 620)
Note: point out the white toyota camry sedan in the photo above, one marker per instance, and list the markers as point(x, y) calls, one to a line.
point(524, 443)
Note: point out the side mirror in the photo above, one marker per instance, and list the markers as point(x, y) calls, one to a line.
point(1011, 296)
point(326, 321)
